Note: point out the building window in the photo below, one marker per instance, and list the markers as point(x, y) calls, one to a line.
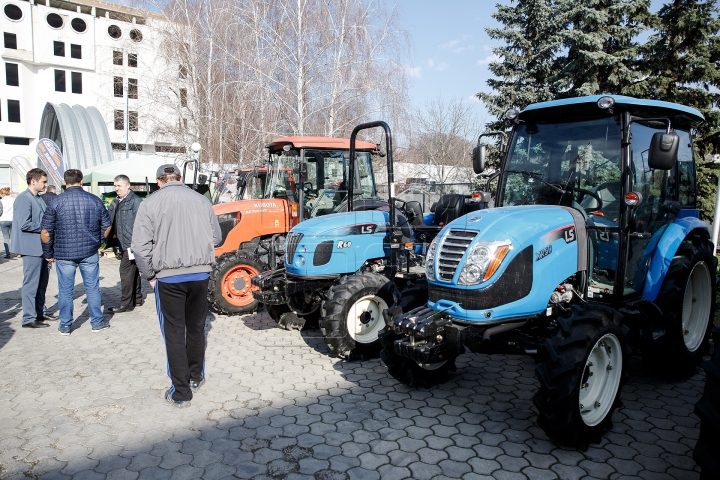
point(10, 40)
point(12, 77)
point(76, 51)
point(183, 97)
point(132, 88)
point(114, 32)
point(118, 86)
point(76, 82)
point(183, 71)
point(54, 20)
point(14, 111)
point(60, 80)
point(117, 58)
point(169, 149)
point(136, 36)
point(119, 120)
point(132, 59)
point(59, 49)
point(78, 25)
point(17, 141)
point(133, 147)
point(13, 12)
point(133, 121)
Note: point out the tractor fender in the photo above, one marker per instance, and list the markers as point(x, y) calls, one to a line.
point(666, 249)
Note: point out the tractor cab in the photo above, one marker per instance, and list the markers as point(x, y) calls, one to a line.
point(313, 175)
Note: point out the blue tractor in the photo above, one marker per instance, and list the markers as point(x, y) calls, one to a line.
point(346, 268)
point(594, 248)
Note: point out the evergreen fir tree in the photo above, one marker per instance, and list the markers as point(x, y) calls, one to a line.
point(681, 64)
point(598, 38)
point(526, 61)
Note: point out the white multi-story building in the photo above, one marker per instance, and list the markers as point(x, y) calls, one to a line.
point(88, 54)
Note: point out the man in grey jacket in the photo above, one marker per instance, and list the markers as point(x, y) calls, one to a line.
point(173, 241)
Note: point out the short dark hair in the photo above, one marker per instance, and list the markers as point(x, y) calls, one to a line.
point(35, 174)
point(51, 188)
point(122, 178)
point(170, 177)
point(73, 176)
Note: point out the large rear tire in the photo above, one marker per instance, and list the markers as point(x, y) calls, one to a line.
point(409, 372)
point(687, 299)
point(707, 449)
point(581, 371)
point(352, 315)
point(230, 289)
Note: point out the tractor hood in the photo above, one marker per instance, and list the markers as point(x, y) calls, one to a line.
point(505, 262)
point(336, 244)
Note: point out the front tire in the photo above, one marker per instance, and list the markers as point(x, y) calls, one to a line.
point(581, 371)
point(687, 299)
point(352, 314)
point(230, 289)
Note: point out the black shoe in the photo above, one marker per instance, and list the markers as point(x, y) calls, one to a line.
point(196, 384)
point(48, 317)
point(35, 324)
point(178, 404)
point(120, 309)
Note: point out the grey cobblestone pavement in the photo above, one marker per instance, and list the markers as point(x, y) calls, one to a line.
point(90, 406)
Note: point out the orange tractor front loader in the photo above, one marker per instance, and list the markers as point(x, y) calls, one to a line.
point(306, 177)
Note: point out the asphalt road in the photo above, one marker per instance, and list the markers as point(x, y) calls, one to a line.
point(276, 405)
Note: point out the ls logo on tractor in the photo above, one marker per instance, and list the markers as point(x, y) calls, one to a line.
point(342, 244)
point(543, 253)
point(570, 235)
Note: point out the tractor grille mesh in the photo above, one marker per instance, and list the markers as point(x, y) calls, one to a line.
point(292, 242)
point(452, 248)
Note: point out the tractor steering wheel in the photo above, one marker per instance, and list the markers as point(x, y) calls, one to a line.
point(594, 195)
point(308, 189)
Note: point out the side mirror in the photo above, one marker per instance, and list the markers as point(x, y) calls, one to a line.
point(202, 179)
point(478, 159)
point(662, 154)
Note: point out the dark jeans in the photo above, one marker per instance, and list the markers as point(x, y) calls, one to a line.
point(182, 308)
point(35, 280)
point(130, 286)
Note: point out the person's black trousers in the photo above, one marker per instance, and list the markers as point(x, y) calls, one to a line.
point(130, 285)
point(182, 308)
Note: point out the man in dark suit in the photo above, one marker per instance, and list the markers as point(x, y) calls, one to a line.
point(49, 194)
point(28, 211)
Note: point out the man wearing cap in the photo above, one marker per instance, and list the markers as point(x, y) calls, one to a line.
point(173, 241)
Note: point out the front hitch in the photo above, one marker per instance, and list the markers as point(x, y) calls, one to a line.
point(271, 287)
point(426, 335)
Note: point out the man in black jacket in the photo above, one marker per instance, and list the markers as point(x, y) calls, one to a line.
point(122, 211)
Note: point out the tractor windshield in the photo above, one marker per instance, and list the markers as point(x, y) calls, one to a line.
point(326, 185)
point(572, 164)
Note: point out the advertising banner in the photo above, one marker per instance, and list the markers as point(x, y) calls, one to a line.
point(51, 157)
point(21, 165)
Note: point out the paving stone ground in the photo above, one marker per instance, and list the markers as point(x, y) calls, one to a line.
point(276, 405)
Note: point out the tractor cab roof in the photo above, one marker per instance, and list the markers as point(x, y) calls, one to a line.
point(582, 107)
point(329, 143)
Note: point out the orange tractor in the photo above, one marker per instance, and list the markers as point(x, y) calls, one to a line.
point(306, 177)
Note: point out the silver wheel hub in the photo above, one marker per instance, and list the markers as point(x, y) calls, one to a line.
point(696, 306)
point(600, 380)
point(365, 320)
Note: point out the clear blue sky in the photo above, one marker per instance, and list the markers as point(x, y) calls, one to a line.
point(451, 50)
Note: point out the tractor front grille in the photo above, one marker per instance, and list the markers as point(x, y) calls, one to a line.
point(452, 248)
point(293, 240)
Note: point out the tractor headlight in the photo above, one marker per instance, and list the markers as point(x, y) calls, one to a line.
point(430, 260)
point(483, 260)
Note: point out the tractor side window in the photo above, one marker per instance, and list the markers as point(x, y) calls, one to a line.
point(253, 188)
point(686, 171)
point(364, 165)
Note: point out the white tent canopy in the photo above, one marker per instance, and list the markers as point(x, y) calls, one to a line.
point(136, 167)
